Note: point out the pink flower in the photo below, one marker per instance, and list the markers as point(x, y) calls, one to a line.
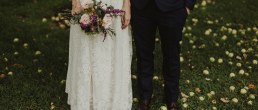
point(85, 19)
point(107, 21)
point(87, 4)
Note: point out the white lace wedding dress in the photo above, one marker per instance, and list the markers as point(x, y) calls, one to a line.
point(99, 73)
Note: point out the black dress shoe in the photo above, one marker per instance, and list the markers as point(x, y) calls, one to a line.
point(173, 106)
point(144, 105)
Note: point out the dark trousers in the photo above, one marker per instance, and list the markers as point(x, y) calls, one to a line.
point(145, 23)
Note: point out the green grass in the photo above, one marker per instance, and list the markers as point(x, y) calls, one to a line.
point(38, 80)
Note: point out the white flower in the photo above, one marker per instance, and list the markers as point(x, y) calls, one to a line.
point(252, 96)
point(255, 62)
point(193, 46)
point(10, 73)
point(183, 99)
point(243, 91)
point(44, 20)
point(238, 57)
point(67, 22)
point(212, 93)
point(225, 100)
point(214, 108)
point(189, 28)
point(215, 34)
point(194, 20)
point(16, 53)
point(185, 105)
point(250, 49)
point(134, 76)
point(156, 39)
point(38, 52)
point(135, 99)
point(248, 29)
point(235, 100)
point(208, 79)
point(212, 59)
point(62, 26)
point(220, 60)
point(210, 22)
point(39, 70)
point(163, 108)
point(191, 93)
point(238, 64)
point(62, 81)
point(25, 45)
point(187, 81)
point(201, 98)
point(231, 55)
point(229, 30)
point(209, 95)
point(198, 89)
point(206, 72)
point(232, 75)
point(107, 21)
point(52, 106)
point(241, 72)
point(203, 3)
point(232, 88)
point(184, 95)
point(181, 42)
point(53, 18)
point(224, 37)
point(155, 78)
point(5, 59)
point(214, 101)
point(217, 44)
point(208, 32)
point(226, 52)
point(234, 32)
point(87, 4)
point(181, 59)
point(250, 102)
point(16, 40)
point(85, 19)
point(243, 50)
point(239, 43)
point(255, 40)
point(57, 19)
point(191, 41)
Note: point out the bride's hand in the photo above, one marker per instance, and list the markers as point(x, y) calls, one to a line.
point(76, 7)
point(127, 16)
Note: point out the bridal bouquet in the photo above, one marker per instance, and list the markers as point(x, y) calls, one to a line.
point(95, 17)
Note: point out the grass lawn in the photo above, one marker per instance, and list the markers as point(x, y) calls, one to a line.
point(218, 59)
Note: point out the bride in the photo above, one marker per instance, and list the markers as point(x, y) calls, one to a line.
point(99, 73)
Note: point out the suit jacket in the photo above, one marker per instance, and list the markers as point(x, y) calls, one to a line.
point(165, 5)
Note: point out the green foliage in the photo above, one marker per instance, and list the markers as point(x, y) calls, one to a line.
point(35, 65)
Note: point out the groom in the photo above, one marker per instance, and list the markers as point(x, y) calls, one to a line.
point(168, 16)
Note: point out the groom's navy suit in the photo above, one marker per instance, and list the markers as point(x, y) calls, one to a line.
point(168, 16)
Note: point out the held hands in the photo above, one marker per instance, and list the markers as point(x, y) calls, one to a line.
point(127, 16)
